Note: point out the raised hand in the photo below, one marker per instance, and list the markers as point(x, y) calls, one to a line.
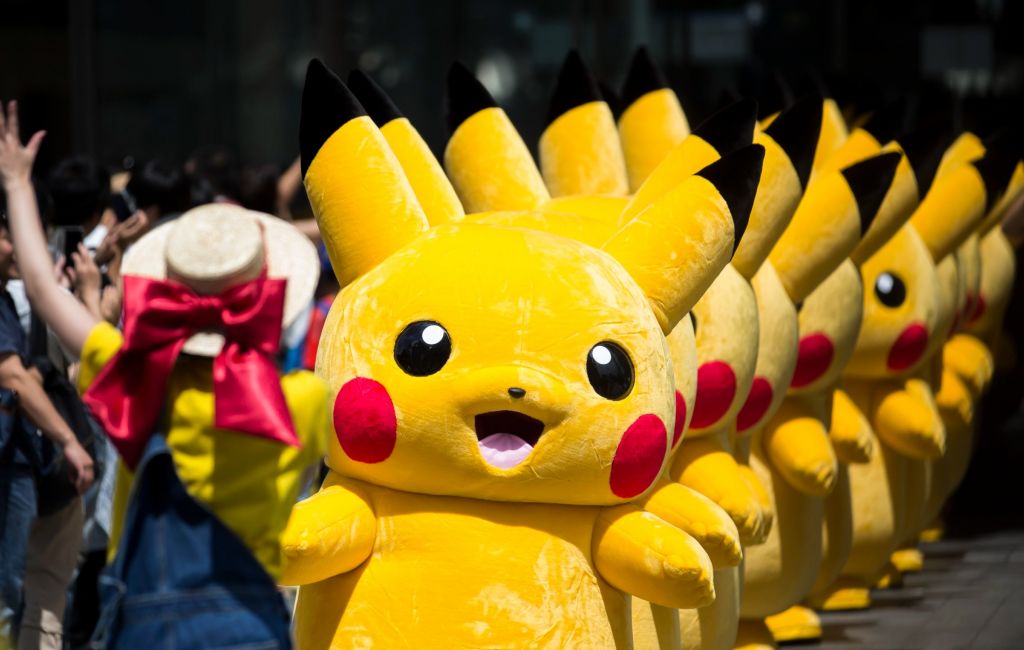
point(16, 160)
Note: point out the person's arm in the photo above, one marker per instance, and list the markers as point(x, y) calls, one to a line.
point(287, 185)
point(67, 317)
point(40, 410)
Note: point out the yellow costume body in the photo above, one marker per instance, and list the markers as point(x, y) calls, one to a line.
point(425, 533)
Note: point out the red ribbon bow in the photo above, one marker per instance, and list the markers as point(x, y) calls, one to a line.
point(159, 316)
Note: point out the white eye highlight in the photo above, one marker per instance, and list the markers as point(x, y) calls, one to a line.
point(432, 334)
point(600, 354)
point(884, 283)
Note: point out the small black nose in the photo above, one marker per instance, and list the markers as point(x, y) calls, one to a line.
point(516, 392)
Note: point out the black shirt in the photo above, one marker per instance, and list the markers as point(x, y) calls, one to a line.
point(16, 433)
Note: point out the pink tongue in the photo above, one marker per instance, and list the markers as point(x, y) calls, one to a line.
point(504, 450)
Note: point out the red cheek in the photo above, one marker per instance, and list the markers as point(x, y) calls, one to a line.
point(758, 401)
point(365, 420)
point(813, 359)
point(979, 309)
point(908, 348)
point(677, 431)
point(639, 457)
point(716, 388)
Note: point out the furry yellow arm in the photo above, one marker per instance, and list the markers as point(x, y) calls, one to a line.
point(640, 554)
point(797, 445)
point(906, 418)
point(329, 533)
point(970, 361)
point(704, 465)
point(954, 399)
point(850, 432)
point(699, 517)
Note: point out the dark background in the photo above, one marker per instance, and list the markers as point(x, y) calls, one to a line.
point(120, 78)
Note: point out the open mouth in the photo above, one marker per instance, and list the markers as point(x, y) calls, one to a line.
point(506, 438)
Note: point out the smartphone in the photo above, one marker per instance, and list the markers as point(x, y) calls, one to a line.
point(72, 238)
point(123, 205)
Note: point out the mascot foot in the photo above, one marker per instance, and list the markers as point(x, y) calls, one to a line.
point(891, 578)
point(753, 634)
point(798, 623)
point(845, 593)
point(907, 560)
point(933, 533)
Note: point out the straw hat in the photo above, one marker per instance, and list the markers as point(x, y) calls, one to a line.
point(213, 247)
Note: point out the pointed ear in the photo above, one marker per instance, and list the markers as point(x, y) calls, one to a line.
point(789, 145)
point(433, 191)
point(833, 132)
point(889, 122)
point(1013, 190)
point(869, 180)
point(362, 201)
point(652, 121)
point(722, 133)
point(965, 148)
point(924, 149)
point(486, 159)
point(827, 224)
point(579, 149)
point(899, 202)
point(957, 202)
point(677, 247)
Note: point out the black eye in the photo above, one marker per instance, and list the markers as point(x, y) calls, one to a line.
point(799, 306)
point(423, 348)
point(609, 370)
point(890, 289)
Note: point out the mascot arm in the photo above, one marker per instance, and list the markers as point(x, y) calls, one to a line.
point(799, 449)
point(643, 555)
point(970, 360)
point(331, 532)
point(851, 435)
point(704, 465)
point(699, 517)
point(906, 419)
point(954, 398)
point(759, 491)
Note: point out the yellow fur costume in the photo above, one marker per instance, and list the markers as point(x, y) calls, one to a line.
point(727, 336)
point(793, 453)
point(486, 446)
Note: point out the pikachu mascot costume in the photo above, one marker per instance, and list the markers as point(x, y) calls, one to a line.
point(983, 269)
point(830, 321)
point(501, 395)
point(792, 454)
point(902, 317)
point(581, 165)
point(725, 318)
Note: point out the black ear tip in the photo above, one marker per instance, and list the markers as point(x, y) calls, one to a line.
point(996, 169)
point(576, 86)
point(889, 122)
point(924, 149)
point(326, 105)
point(643, 77)
point(466, 96)
point(316, 67)
point(796, 130)
point(574, 61)
point(378, 105)
point(869, 181)
point(730, 128)
point(736, 177)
